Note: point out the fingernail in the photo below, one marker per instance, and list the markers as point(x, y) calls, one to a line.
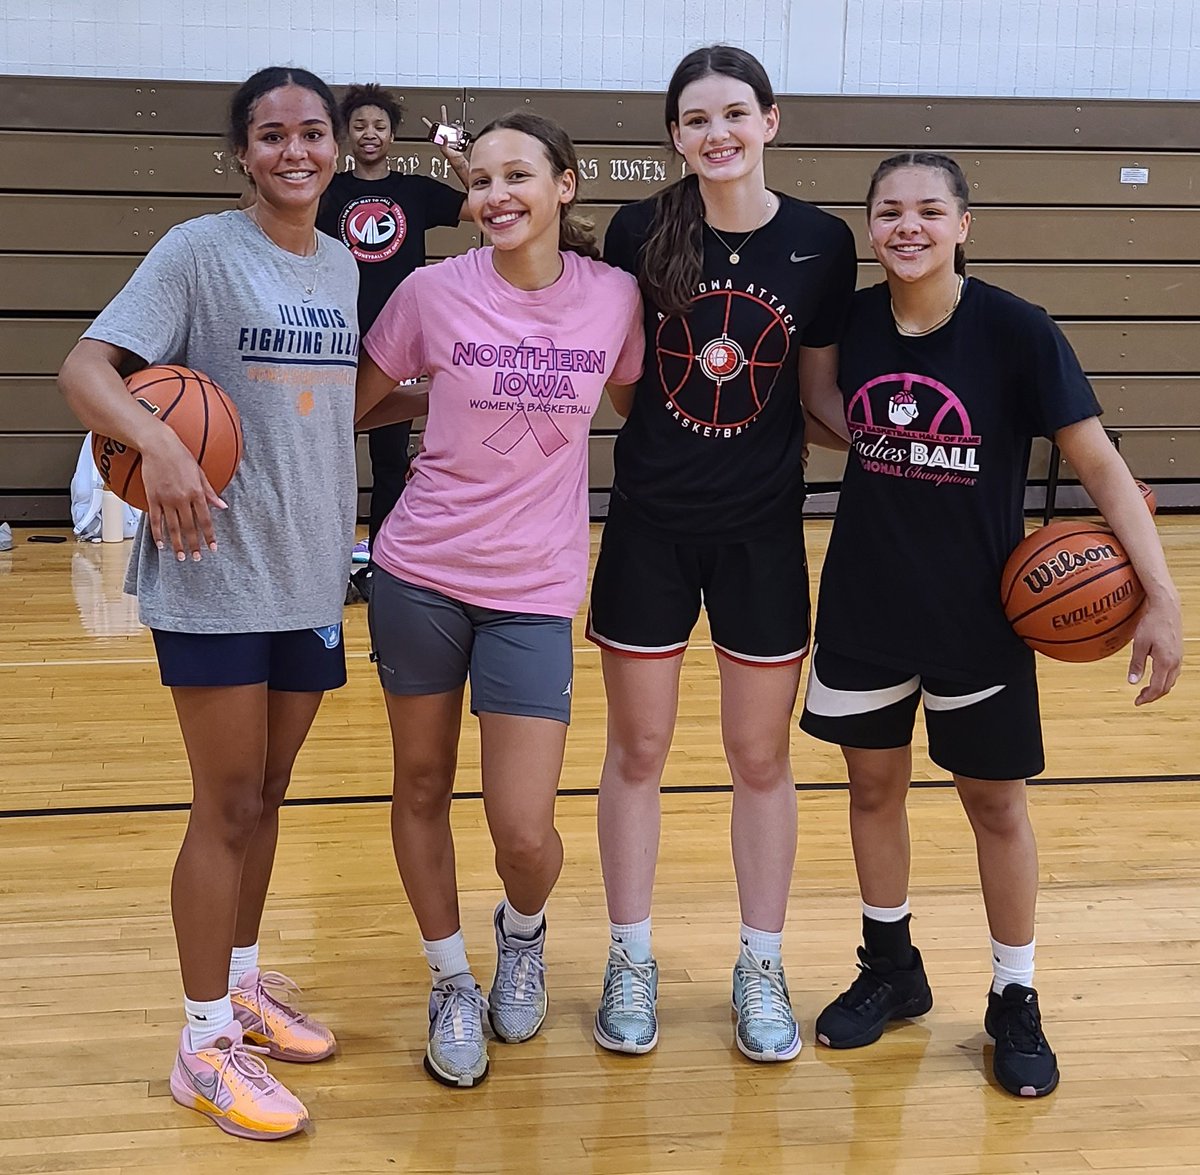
point(195, 556)
point(212, 546)
point(1133, 679)
point(161, 546)
point(180, 556)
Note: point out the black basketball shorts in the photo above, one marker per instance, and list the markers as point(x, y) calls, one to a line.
point(982, 730)
point(647, 593)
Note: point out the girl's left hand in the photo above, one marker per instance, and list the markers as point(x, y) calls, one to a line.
point(1159, 638)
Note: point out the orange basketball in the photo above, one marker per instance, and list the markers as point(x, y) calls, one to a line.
point(1148, 496)
point(201, 414)
point(1070, 592)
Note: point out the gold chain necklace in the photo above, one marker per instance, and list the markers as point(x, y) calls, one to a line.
point(735, 255)
point(309, 288)
point(916, 334)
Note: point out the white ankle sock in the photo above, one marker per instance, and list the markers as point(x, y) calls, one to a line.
point(633, 938)
point(207, 1020)
point(446, 956)
point(242, 960)
point(766, 944)
point(518, 925)
point(1011, 965)
point(887, 913)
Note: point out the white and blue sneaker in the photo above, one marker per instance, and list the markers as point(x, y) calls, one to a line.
point(626, 1021)
point(517, 1002)
point(457, 1052)
point(766, 1028)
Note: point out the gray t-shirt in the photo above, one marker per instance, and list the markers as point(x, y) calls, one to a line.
point(216, 295)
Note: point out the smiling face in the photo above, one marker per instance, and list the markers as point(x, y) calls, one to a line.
point(291, 150)
point(370, 134)
point(915, 222)
point(512, 191)
point(722, 130)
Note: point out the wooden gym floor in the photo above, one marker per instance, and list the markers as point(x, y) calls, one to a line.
point(93, 786)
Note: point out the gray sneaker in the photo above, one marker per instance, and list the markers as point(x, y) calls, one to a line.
point(766, 1028)
point(517, 1001)
point(626, 1021)
point(457, 1052)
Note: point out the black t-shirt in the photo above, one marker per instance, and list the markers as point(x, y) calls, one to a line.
point(383, 223)
point(711, 449)
point(932, 501)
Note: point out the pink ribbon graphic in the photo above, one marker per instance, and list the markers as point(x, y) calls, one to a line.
point(514, 430)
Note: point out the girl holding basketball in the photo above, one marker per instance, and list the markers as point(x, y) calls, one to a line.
point(945, 381)
point(745, 292)
point(265, 306)
point(483, 562)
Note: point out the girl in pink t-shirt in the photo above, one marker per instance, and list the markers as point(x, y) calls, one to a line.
point(483, 562)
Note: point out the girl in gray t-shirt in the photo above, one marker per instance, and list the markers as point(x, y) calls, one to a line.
point(243, 592)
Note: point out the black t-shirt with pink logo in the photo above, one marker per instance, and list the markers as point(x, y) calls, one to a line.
point(933, 498)
point(711, 449)
point(383, 223)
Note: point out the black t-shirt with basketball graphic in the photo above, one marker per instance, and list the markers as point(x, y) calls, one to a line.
point(711, 449)
point(383, 223)
point(933, 497)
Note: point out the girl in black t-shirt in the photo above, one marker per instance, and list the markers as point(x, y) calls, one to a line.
point(944, 382)
point(745, 292)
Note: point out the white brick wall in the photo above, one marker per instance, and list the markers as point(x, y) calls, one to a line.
point(1078, 48)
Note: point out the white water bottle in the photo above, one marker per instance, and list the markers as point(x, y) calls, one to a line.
point(112, 518)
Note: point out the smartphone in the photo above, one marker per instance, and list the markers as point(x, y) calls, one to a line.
point(446, 134)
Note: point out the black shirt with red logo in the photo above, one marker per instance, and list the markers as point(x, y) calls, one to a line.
point(383, 223)
point(711, 449)
point(932, 502)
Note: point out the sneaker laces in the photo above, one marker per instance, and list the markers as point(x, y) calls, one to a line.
point(867, 987)
point(240, 1057)
point(764, 994)
point(1023, 1027)
point(455, 1012)
point(640, 984)
point(280, 983)
point(528, 964)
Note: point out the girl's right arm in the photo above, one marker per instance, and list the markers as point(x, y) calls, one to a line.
point(178, 493)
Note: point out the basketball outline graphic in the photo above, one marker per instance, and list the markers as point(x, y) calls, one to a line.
point(949, 409)
point(373, 228)
point(719, 371)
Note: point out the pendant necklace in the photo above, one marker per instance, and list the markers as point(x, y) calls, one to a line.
point(735, 255)
point(309, 287)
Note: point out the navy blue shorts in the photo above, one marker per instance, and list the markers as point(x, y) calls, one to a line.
point(305, 660)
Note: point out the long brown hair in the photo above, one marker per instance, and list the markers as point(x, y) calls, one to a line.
point(955, 181)
point(673, 256)
point(574, 231)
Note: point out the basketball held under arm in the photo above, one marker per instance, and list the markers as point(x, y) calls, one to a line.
point(177, 492)
point(1110, 485)
point(821, 397)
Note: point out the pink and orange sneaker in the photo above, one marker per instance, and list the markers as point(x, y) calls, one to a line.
point(285, 1033)
point(233, 1087)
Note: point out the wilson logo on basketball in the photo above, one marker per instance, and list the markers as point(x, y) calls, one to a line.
point(1063, 564)
point(719, 386)
point(373, 228)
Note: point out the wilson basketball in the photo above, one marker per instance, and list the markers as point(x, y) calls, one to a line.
point(1070, 592)
point(1148, 496)
point(202, 415)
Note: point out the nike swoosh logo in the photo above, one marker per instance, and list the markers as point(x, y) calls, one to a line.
point(207, 1087)
point(806, 257)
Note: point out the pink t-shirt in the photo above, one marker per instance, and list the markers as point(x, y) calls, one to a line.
point(496, 511)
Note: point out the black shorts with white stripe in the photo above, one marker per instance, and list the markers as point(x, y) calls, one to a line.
point(981, 730)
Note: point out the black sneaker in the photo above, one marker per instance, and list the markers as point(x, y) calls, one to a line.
point(1023, 1061)
point(880, 994)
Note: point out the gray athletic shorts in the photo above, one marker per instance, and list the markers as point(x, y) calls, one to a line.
point(423, 642)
